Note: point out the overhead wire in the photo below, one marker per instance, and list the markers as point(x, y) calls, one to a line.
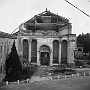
point(78, 8)
point(71, 5)
point(16, 29)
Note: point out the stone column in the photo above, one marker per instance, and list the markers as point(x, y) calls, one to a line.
point(19, 44)
point(38, 58)
point(51, 55)
point(30, 50)
point(38, 54)
point(59, 52)
point(21, 50)
point(68, 51)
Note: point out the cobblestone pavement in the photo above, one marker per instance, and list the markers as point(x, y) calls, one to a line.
point(76, 83)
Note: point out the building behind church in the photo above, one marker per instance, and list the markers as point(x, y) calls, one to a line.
point(46, 39)
point(6, 41)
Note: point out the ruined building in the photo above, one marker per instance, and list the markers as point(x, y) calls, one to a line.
point(46, 39)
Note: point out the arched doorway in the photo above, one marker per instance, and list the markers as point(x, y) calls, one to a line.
point(34, 51)
point(64, 52)
point(25, 49)
point(44, 55)
point(55, 51)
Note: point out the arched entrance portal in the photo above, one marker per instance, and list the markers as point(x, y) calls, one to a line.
point(44, 55)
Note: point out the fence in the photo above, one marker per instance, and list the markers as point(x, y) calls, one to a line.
point(52, 77)
point(70, 76)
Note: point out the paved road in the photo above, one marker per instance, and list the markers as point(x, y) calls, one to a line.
point(76, 83)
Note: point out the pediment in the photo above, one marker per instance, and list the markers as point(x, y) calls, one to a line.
point(46, 21)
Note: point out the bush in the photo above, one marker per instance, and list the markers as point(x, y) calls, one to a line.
point(27, 71)
point(78, 63)
point(64, 71)
point(13, 77)
point(86, 66)
point(69, 72)
point(88, 63)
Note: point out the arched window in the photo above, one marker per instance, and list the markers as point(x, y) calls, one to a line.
point(64, 52)
point(25, 49)
point(34, 51)
point(55, 51)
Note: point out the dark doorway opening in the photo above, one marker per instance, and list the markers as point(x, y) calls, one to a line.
point(45, 59)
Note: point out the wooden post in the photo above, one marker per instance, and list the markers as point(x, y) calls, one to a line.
point(27, 80)
point(72, 75)
point(51, 77)
point(6, 82)
point(17, 81)
point(58, 76)
point(65, 76)
point(78, 74)
point(84, 73)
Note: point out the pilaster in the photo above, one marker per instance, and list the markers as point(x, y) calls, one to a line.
point(29, 50)
point(38, 54)
point(59, 52)
point(68, 51)
point(38, 58)
point(21, 54)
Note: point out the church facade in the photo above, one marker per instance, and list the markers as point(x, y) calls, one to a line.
point(46, 39)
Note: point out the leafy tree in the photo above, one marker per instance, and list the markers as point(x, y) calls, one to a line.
point(84, 39)
point(13, 64)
